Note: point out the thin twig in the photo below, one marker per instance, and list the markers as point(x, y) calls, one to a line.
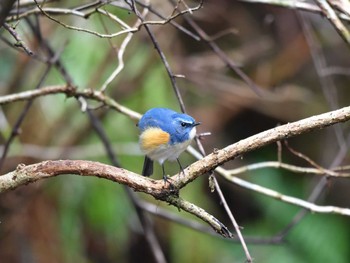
point(168, 215)
point(19, 42)
point(53, 56)
point(304, 157)
point(128, 30)
point(125, 31)
point(334, 20)
point(233, 220)
point(295, 4)
point(274, 194)
point(47, 10)
point(200, 213)
point(15, 130)
point(162, 56)
point(71, 92)
point(218, 51)
point(289, 167)
point(172, 22)
point(121, 51)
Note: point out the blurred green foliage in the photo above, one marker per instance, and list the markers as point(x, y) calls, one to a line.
point(93, 218)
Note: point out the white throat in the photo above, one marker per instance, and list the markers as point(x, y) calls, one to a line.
point(192, 133)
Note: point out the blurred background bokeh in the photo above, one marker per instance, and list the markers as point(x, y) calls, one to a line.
point(299, 66)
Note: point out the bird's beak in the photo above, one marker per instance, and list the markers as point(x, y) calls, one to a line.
point(196, 124)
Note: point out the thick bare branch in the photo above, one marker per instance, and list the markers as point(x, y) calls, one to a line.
point(219, 157)
point(31, 173)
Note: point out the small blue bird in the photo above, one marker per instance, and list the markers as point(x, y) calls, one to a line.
point(165, 134)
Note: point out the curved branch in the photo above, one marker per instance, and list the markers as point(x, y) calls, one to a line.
point(219, 157)
point(25, 174)
point(31, 173)
point(70, 91)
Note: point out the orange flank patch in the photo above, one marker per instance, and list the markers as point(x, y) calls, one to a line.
point(152, 138)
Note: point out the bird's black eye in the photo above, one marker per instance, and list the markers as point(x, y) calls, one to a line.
point(183, 124)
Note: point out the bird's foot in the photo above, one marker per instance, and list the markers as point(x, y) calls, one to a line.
point(172, 188)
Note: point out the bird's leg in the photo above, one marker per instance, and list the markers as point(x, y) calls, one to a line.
point(165, 178)
point(182, 169)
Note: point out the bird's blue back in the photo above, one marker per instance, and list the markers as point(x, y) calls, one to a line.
point(169, 121)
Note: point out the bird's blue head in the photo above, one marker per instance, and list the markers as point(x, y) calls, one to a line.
point(180, 126)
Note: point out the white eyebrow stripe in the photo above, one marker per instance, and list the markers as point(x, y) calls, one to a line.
point(186, 121)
